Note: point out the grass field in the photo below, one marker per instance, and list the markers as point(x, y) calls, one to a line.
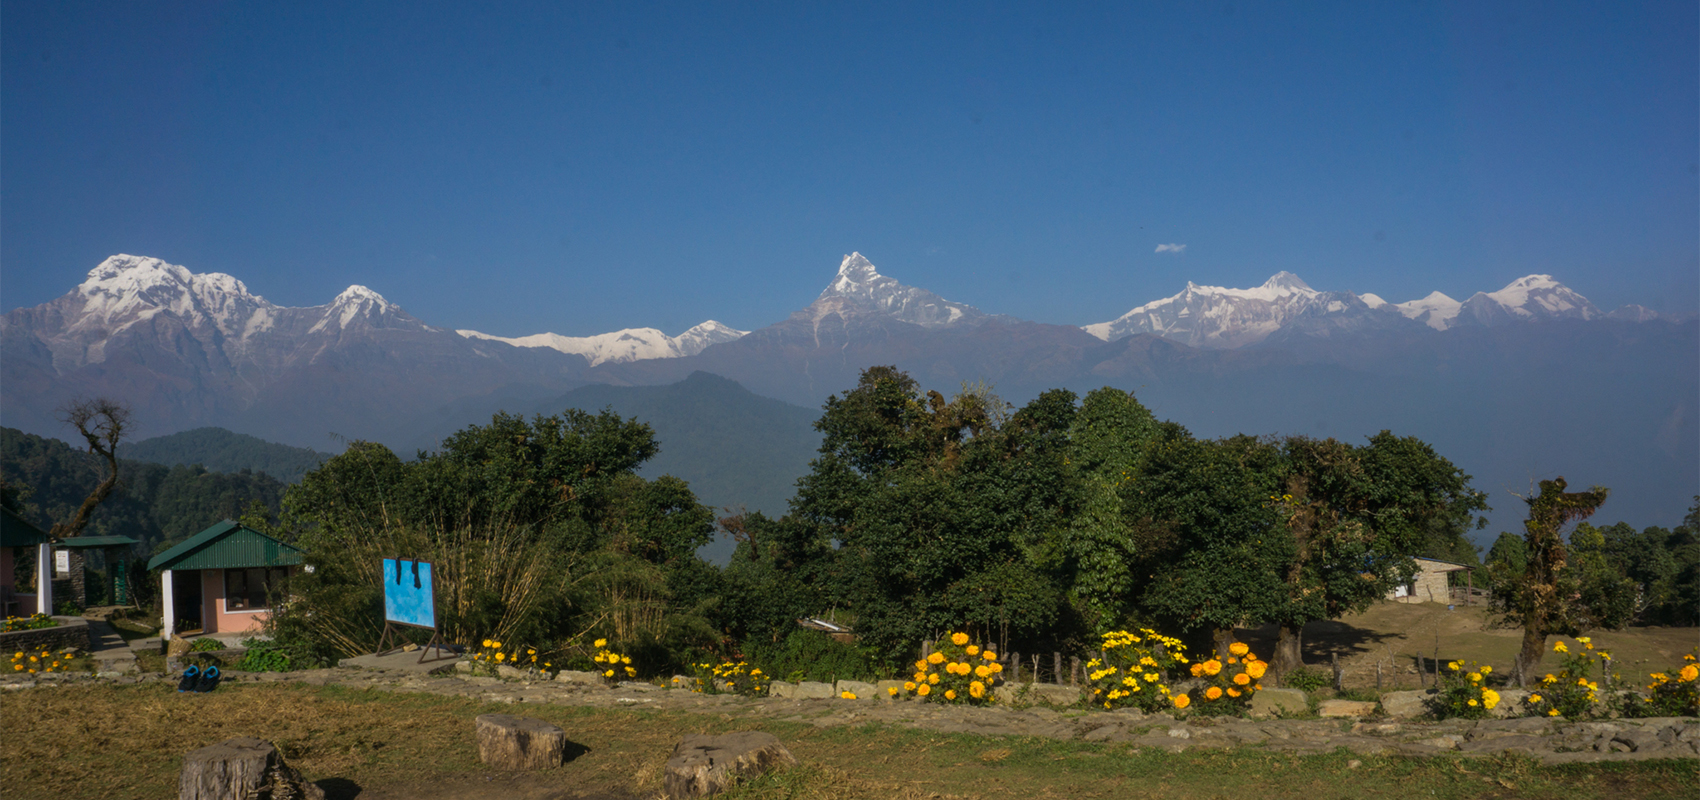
point(103, 741)
point(1397, 634)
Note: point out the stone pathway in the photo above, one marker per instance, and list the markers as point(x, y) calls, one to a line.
point(1551, 741)
point(112, 655)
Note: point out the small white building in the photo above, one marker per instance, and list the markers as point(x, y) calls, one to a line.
point(1433, 582)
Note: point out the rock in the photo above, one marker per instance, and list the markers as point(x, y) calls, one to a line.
point(861, 689)
point(1279, 702)
point(1639, 739)
point(1345, 708)
point(1408, 705)
point(1510, 704)
point(509, 673)
point(707, 765)
point(1053, 694)
point(242, 768)
point(576, 676)
point(814, 690)
point(463, 667)
point(509, 742)
point(686, 682)
point(782, 689)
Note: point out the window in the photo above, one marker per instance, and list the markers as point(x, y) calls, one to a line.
point(254, 587)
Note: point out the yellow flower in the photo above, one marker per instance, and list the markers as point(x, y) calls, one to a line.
point(933, 678)
point(16, 656)
point(847, 695)
point(1534, 698)
point(1490, 698)
point(1487, 668)
point(497, 645)
point(486, 642)
point(921, 666)
point(608, 674)
point(625, 659)
point(996, 668)
point(1242, 679)
point(1233, 693)
point(1256, 669)
point(923, 690)
point(1453, 666)
point(959, 639)
point(977, 690)
point(1197, 670)
point(1212, 667)
point(1552, 712)
point(1689, 672)
point(891, 691)
point(972, 650)
point(908, 686)
point(1239, 648)
point(1473, 702)
point(1560, 648)
point(982, 671)
point(1182, 701)
point(1213, 693)
point(530, 651)
point(989, 655)
point(950, 694)
point(599, 643)
point(920, 676)
point(935, 658)
point(1584, 639)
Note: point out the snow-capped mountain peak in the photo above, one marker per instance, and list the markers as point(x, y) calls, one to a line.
point(859, 283)
point(1436, 310)
point(357, 302)
point(628, 344)
point(126, 289)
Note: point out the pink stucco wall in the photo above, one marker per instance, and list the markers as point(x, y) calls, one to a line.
point(214, 614)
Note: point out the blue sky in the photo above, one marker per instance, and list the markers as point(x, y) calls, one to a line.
point(579, 169)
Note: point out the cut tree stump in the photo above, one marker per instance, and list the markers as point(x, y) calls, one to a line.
point(243, 768)
point(509, 742)
point(706, 765)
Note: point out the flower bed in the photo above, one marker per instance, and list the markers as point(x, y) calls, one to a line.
point(69, 633)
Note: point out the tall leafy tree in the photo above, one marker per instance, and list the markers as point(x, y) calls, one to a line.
point(1543, 598)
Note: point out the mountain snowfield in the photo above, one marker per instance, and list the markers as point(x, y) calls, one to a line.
point(629, 344)
point(1223, 318)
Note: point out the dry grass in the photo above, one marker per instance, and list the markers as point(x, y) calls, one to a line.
point(127, 742)
point(1396, 634)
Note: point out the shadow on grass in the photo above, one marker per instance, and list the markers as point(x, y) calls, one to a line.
point(1321, 640)
point(339, 788)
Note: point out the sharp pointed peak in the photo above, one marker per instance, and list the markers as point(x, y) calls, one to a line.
point(356, 293)
point(1287, 280)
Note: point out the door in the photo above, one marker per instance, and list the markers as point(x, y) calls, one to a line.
point(186, 597)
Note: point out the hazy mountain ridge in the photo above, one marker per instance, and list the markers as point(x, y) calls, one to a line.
point(221, 450)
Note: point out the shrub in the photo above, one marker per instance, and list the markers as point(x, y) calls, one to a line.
point(957, 672)
point(29, 623)
point(1670, 695)
point(492, 654)
point(206, 646)
point(42, 661)
point(809, 655)
point(613, 666)
point(1571, 692)
point(1134, 671)
point(736, 677)
point(1306, 680)
point(1463, 692)
point(264, 655)
point(1226, 686)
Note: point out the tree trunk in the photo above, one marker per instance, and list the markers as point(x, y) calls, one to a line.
point(1534, 649)
point(242, 769)
point(509, 742)
point(1223, 637)
point(1289, 649)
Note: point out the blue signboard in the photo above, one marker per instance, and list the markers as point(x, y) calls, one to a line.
point(407, 593)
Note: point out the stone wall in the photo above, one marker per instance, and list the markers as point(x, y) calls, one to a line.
point(71, 632)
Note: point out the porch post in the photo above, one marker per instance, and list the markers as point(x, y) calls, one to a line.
point(167, 630)
point(44, 578)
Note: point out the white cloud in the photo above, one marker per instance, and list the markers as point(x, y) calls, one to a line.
point(1171, 248)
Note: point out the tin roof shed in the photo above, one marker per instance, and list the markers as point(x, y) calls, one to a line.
point(15, 531)
point(228, 545)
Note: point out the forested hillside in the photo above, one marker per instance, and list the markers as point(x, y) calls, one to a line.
point(153, 503)
point(220, 450)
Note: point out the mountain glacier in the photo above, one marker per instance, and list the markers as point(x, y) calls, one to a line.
point(859, 287)
point(1223, 318)
point(628, 344)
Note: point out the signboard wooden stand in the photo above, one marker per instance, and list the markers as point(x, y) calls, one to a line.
point(410, 602)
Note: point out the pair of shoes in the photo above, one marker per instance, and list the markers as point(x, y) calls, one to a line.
point(196, 679)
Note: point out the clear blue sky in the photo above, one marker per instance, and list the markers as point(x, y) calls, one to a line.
point(579, 169)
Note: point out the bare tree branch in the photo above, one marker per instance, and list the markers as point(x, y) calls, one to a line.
point(102, 423)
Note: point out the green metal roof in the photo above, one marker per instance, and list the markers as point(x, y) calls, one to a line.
point(95, 541)
point(228, 545)
point(15, 531)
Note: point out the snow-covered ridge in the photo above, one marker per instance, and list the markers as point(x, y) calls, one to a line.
point(1214, 316)
point(630, 344)
point(865, 289)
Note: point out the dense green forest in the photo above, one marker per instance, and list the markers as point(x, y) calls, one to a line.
point(220, 450)
point(1622, 576)
point(154, 504)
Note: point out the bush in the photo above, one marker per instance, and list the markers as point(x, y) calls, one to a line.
point(1669, 695)
point(1228, 686)
point(206, 645)
point(957, 672)
point(1305, 680)
point(264, 655)
point(29, 623)
point(735, 677)
point(1571, 692)
point(1463, 692)
point(613, 666)
point(809, 655)
point(1135, 670)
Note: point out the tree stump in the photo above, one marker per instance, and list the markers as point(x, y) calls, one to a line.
point(509, 742)
point(243, 768)
point(706, 765)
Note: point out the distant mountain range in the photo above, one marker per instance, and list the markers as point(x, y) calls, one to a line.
point(220, 450)
point(1521, 383)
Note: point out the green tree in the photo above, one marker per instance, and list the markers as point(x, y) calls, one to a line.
point(1543, 597)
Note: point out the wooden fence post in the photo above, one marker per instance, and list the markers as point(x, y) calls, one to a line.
point(1056, 663)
